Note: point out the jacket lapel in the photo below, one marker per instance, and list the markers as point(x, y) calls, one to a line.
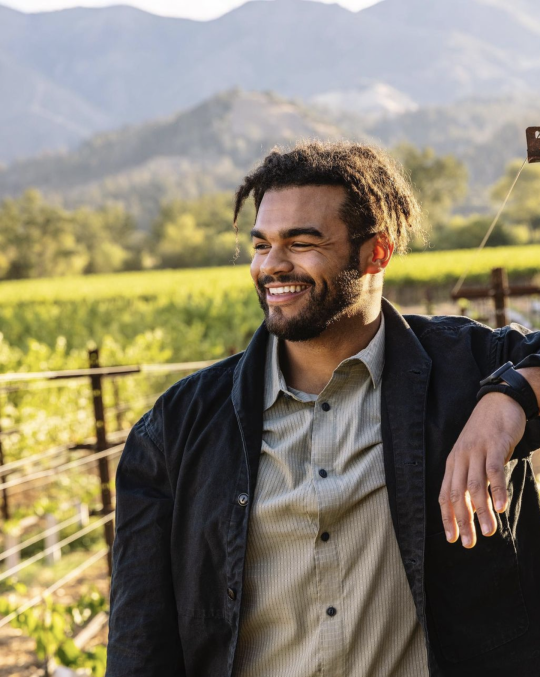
point(405, 385)
point(247, 399)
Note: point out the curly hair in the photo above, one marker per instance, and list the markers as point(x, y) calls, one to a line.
point(379, 200)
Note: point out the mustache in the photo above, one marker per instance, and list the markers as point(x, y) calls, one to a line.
point(283, 279)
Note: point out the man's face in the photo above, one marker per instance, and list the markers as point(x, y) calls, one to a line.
point(306, 272)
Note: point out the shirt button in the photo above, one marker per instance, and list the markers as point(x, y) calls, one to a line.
point(231, 593)
point(323, 473)
point(243, 500)
point(325, 406)
point(325, 537)
point(331, 611)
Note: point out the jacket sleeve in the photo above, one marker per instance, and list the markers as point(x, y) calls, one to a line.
point(143, 636)
point(522, 347)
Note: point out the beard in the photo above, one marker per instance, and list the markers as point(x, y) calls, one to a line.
point(325, 304)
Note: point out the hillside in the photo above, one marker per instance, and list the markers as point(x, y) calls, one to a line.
point(486, 134)
point(88, 70)
point(206, 149)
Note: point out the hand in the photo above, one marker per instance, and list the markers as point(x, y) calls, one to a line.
point(477, 462)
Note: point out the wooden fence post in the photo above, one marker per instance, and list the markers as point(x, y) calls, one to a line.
point(102, 445)
point(499, 284)
point(5, 500)
point(116, 391)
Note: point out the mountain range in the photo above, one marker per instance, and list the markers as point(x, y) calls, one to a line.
point(67, 75)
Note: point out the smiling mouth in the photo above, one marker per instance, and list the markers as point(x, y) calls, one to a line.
point(289, 289)
point(279, 296)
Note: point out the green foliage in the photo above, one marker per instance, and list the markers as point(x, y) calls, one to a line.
point(440, 182)
point(38, 239)
point(524, 204)
point(468, 232)
point(191, 233)
point(135, 318)
point(443, 268)
point(52, 627)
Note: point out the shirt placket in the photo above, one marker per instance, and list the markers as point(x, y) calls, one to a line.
point(327, 555)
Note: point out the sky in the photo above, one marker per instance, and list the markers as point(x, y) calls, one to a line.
point(192, 9)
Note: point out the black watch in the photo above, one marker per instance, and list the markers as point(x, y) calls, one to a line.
point(518, 388)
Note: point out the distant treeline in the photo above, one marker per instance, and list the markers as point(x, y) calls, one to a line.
point(41, 239)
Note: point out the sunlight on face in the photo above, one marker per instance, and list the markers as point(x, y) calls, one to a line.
point(306, 272)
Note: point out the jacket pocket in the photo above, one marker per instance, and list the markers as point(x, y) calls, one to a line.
point(474, 596)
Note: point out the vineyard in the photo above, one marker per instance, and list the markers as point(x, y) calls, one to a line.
point(151, 318)
point(187, 314)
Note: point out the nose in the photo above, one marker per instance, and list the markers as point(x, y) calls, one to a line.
point(276, 262)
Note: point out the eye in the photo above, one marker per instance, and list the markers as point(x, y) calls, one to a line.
point(301, 245)
point(260, 246)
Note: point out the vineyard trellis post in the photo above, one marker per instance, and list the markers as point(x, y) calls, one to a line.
point(499, 290)
point(101, 445)
point(117, 404)
point(5, 499)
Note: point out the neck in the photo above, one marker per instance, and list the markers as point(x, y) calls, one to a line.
point(309, 365)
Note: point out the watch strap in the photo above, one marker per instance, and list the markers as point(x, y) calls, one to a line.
point(530, 406)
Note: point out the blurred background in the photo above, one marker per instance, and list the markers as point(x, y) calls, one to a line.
point(124, 131)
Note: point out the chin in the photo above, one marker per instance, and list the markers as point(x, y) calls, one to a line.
point(293, 331)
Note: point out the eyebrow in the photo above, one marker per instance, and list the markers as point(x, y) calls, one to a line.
point(291, 232)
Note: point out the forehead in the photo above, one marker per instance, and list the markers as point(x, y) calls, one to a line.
point(305, 205)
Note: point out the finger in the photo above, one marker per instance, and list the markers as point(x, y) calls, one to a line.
point(447, 509)
point(497, 481)
point(461, 502)
point(477, 486)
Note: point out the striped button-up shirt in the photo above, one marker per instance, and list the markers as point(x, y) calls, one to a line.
point(325, 590)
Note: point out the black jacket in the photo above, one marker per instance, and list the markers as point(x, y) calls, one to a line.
point(182, 519)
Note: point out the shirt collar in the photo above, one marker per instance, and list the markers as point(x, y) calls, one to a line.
point(274, 381)
point(372, 356)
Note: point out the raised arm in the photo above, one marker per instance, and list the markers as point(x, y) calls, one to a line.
point(487, 442)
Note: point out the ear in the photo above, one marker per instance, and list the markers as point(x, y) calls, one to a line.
point(379, 256)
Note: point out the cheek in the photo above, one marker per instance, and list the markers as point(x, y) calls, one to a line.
point(254, 269)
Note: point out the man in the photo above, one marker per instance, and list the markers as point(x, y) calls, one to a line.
point(293, 510)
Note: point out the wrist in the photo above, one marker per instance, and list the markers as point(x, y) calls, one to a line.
point(509, 381)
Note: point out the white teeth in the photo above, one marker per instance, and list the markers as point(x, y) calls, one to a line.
point(286, 290)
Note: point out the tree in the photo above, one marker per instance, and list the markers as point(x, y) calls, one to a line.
point(524, 204)
point(439, 182)
point(38, 239)
point(200, 232)
point(106, 235)
point(468, 232)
